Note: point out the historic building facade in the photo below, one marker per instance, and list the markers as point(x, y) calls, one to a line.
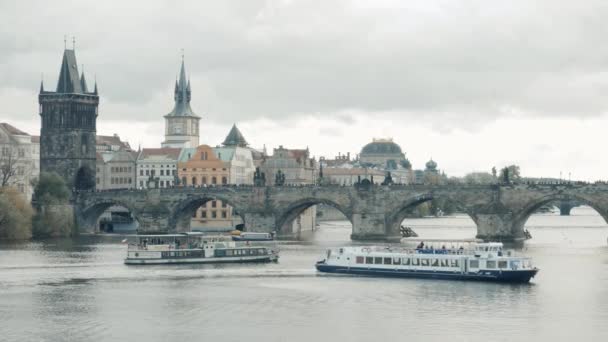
point(298, 168)
point(201, 167)
point(67, 134)
point(158, 165)
point(182, 124)
point(19, 159)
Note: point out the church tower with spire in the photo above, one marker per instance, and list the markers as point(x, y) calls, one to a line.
point(182, 124)
point(68, 127)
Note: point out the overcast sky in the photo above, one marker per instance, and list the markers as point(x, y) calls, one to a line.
point(472, 84)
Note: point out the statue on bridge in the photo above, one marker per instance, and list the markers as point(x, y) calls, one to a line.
point(259, 177)
point(388, 179)
point(279, 178)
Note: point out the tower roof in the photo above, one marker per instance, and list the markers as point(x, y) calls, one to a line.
point(69, 82)
point(182, 95)
point(83, 83)
point(235, 138)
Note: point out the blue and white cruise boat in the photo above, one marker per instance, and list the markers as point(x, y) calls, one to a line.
point(479, 261)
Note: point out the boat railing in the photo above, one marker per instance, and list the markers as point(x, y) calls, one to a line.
point(439, 251)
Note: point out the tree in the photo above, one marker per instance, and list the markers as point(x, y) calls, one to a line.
point(510, 173)
point(12, 164)
point(51, 189)
point(53, 218)
point(15, 215)
point(479, 178)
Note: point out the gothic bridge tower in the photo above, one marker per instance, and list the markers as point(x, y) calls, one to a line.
point(68, 129)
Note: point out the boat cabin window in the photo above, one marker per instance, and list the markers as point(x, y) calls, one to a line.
point(454, 263)
point(378, 260)
point(396, 261)
point(369, 260)
point(360, 259)
point(388, 261)
point(444, 263)
point(435, 262)
point(490, 264)
point(415, 261)
point(502, 264)
point(424, 262)
point(474, 264)
point(406, 261)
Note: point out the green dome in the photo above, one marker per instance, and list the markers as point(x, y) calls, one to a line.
point(381, 147)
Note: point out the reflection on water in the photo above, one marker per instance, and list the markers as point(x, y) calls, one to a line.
point(79, 289)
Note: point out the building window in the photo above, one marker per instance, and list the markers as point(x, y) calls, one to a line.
point(224, 214)
point(193, 180)
point(141, 172)
point(224, 180)
point(162, 184)
point(224, 205)
point(162, 172)
point(204, 214)
point(204, 180)
point(194, 214)
point(141, 184)
point(213, 204)
point(184, 181)
point(147, 172)
point(173, 173)
point(214, 214)
point(213, 180)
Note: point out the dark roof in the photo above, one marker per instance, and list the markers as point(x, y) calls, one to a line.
point(36, 139)
point(182, 96)
point(381, 147)
point(12, 129)
point(235, 138)
point(69, 82)
point(112, 140)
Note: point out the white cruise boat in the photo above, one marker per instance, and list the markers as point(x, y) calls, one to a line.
point(478, 261)
point(194, 247)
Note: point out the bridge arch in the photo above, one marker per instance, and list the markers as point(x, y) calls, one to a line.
point(401, 210)
point(522, 216)
point(287, 216)
point(182, 213)
point(89, 216)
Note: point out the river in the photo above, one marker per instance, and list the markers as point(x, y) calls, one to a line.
point(79, 290)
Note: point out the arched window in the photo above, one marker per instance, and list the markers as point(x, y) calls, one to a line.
point(193, 180)
point(214, 180)
point(204, 181)
point(224, 180)
point(184, 181)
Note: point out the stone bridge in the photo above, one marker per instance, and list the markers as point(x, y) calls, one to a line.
point(376, 212)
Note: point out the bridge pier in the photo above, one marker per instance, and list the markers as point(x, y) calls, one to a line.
point(498, 227)
point(373, 227)
point(262, 222)
point(565, 207)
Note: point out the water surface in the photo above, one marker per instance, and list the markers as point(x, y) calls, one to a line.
point(79, 290)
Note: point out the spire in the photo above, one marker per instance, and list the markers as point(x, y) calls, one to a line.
point(41, 84)
point(95, 91)
point(69, 81)
point(235, 138)
point(83, 82)
point(182, 94)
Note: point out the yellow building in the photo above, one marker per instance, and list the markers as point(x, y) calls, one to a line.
point(200, 167)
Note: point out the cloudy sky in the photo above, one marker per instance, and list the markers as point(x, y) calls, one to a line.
point(472, 84)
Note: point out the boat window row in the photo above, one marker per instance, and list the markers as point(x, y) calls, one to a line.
point(426, 262)
point(241, 252)
point(182, 254)
point(502, 264)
